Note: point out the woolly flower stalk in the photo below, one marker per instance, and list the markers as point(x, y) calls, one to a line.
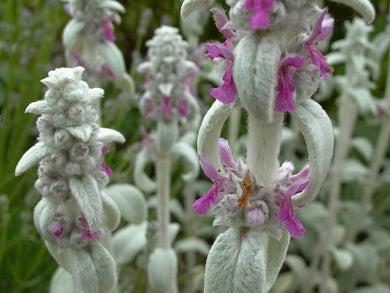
point(89, 41)
point(74, 216)
point(168, 100)
point(270, 66)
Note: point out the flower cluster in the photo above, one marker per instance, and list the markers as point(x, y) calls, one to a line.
point(89, 36)
point(167, 94)
point(296, 66)
point(237, 200)
point(70, 151)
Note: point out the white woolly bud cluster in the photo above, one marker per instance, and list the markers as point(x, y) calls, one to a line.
point(73, 212)
point(167, 94)
point(89, 40)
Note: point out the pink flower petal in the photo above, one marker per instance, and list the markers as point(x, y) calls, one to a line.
point(209, 170)
point(108, 30)
point(202, 205)
point(255, 217)
point(57, 229)
point(225, 154)
point(261, 10)
point(183, 107)
point(105, 169)
point(166, 108)
point(76, 57)
point(301, 175)
point(227, 92)
point(221, 20)
point(287, 217)
point(286, 86)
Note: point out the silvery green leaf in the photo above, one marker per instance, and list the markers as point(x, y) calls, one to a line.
point(174, 207)
point(61, 256)
point(43, 215)
point(353, 170)
point(189, 6)
point(335, 58)
point(71, 32)
point(363, 146)
point(106, 135)
point(167, 135)
point(128, 242)
point(130, 201)
point(255, 73)
point(342, 258)
point(364, 100)
point(298, 267)
point(317, 131)
point(39, 107)
point(87, 195)
point(61, 282)
point(126, 83)
point(82, 132)
point(112, 5)
point(162, 270)
point(381, 43)
point(143, 181)
point(84, 276)
point(192, 244)
point(364, 7)
point(113, 58)
point(111, 212)
point(105, 267)
point(31, 157)
point(190, 157)
point(276, 251)
point(173, 230)
point(236, 263)
point(210, 131)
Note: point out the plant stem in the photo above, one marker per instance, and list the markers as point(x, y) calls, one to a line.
point(163, 171)
point(347, 123)
point(163, 194)
point(263, 148)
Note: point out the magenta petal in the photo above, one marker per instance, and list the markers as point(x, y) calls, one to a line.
point(286, 86)
point(106, 169)
point(294, 227)
point(202, 205)
point(183, 107)
point(57, 229)
point(76, 57)
point(227, 92)
point(301, 175)
point(318, 59)
point(261, 10)
point(225, 154)
point(287, 217)
point(221, 19)
point(166, 107)
point(209, 170)
point(108, 30)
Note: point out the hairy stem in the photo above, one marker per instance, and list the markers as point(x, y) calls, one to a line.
point(263, 148)
point(234, 127)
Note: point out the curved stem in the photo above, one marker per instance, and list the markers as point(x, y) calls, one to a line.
point(234, 127)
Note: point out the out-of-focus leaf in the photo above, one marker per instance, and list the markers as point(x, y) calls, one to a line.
point(353, 170)
point(192, 244)
point(363, 146)
point(343, 258)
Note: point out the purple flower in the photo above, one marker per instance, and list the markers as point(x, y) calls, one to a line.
point(183, 107)
point(286, 212)
point(286, 86)
point(227, 92)
point(221, 20)
point(322, 29)
point(110, 73)
point(57, 229)
point(260, 15)
point(105, 169)
point(204, 204)
point(87, 233)
point(108, 30)
point(76, 57)
point(166, 107)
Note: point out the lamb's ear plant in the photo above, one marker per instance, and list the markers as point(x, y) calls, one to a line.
point(74, 217)
point(271, 66)
point(168, 102)
point(89, 38)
